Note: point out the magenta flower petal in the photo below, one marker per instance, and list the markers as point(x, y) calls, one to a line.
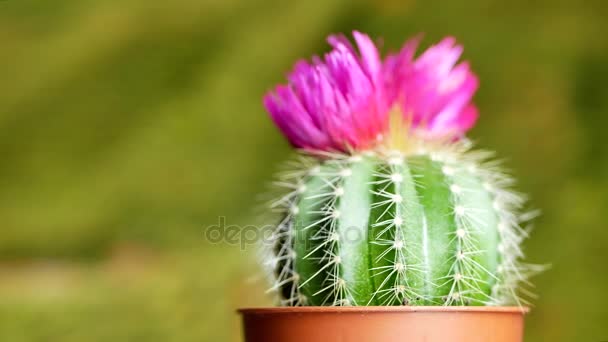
point(432, 92)
point(334, 103)
point(370, 58)
point(398, 67)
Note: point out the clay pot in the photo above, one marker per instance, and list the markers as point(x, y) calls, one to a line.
point(384, 324)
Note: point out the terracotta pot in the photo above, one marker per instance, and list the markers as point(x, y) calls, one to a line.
point(384, 324)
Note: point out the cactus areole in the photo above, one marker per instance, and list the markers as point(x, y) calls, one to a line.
point(387, 202)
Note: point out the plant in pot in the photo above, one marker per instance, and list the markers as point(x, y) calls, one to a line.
point(392, 227)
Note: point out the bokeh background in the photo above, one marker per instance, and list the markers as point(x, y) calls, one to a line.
point(128, 126)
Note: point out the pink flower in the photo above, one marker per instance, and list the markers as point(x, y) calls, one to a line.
point(342, 102)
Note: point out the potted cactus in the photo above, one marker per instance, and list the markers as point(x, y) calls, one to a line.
point(392, 227)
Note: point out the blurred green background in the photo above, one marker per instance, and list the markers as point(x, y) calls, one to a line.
point(126, 127)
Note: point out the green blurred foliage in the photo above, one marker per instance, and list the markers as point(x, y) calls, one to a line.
point(126, 127)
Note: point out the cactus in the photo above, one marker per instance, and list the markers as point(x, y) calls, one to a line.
point(393, 209)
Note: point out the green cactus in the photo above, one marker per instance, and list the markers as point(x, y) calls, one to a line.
point(395, 228)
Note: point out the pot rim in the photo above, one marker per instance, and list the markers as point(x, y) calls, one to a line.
point(381, 309)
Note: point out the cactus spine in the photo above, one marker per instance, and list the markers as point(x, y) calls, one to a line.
point(395, 228)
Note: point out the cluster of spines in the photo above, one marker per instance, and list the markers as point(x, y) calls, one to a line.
point(278, 254)
point(511, 280)
point(404, 267)
point(334, 290)
point(466, 275)
point(401, 266)
point(513, 274)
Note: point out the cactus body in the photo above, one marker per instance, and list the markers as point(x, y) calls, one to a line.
point(395, 229)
